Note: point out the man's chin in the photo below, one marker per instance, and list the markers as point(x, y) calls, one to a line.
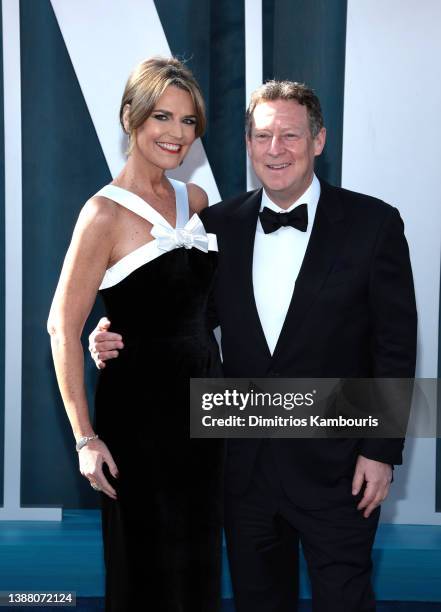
point(278, 179)
point(287, 186)
point(278, 186)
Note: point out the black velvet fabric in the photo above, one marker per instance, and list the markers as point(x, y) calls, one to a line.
point(162, 537)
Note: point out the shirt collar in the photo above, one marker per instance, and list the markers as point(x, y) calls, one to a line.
point(310, 197)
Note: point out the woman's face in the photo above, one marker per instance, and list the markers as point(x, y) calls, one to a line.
point(166, 136)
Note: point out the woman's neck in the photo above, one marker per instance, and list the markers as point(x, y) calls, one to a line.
point(141, 177)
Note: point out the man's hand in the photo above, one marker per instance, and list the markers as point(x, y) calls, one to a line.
point(377, 476)
point(104, 345)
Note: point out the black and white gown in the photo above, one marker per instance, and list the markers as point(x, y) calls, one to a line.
point(162, 537)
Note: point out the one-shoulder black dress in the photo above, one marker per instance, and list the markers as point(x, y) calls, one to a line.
point(162, 537)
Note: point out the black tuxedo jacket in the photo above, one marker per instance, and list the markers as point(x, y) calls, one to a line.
point(352, 315)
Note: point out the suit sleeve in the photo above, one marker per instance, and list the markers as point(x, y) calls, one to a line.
point(394, 324)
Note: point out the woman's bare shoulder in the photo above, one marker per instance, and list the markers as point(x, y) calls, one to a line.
point(100, 207)
point(197, 197)
point(99, 211)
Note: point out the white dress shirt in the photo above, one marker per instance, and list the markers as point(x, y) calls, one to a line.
point(277, 260)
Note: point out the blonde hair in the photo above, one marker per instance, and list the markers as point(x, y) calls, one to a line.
point(287, 90)
point(146, 84)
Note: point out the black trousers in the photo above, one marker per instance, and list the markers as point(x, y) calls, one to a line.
point(263, 530)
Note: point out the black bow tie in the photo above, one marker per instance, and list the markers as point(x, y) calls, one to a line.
point(271, 220)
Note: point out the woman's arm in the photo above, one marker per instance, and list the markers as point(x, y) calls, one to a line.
point(83, 269)
point(197, 198)
point(198, 202)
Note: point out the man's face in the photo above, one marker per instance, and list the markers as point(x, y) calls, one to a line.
point(282, 149)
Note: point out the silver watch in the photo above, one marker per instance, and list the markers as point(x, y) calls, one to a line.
point(83, 441)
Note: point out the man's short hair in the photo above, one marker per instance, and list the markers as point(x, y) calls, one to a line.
point(287, 90)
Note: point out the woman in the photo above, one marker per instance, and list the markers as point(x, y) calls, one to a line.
point(161, 508)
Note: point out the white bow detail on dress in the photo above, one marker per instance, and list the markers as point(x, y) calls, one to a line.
point(193, 234)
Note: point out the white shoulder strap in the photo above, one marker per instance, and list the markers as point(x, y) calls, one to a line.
point(133, 202)
point(182, 205)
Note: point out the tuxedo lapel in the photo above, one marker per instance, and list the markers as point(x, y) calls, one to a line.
point(326, 239)
point(242, 234)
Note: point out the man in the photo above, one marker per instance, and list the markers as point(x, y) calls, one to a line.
point(313, 282)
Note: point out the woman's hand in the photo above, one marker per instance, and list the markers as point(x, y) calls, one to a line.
point(91, 458)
